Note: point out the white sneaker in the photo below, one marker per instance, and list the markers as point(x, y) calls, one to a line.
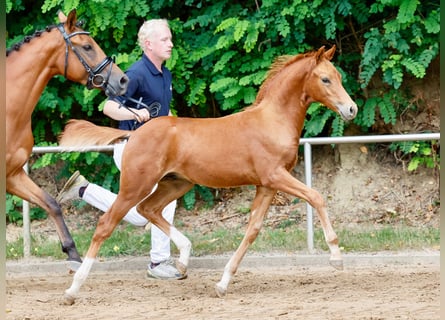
point(70, 190)
point(164, 270)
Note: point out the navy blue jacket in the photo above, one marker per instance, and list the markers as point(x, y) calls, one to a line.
point(147, 82)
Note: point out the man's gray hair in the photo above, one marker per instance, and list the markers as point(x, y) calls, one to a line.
point(148, 29)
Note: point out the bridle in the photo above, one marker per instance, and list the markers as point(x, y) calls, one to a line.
point(95, 78)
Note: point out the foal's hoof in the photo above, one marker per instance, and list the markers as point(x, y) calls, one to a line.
point(68, 299)
point(182, 268)
point(220, 291)
point(337, 264)
point(73, 266)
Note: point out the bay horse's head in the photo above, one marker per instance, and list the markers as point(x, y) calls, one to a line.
point(89, 65)
point(324, 84)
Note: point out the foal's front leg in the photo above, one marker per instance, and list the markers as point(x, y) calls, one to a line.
point(261, 203)
point(288, 184)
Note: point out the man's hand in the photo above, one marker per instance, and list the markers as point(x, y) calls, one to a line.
point(141, 115)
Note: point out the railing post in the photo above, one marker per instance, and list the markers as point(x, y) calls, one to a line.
point(26, 224)
point(308, 178)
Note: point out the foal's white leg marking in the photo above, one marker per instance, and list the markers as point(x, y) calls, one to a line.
point(184, 245)
point(333, 247)
point(221, 286)
point(336, 259)
point(79, 278)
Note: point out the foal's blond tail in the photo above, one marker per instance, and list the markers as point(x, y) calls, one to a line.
point(82, 133)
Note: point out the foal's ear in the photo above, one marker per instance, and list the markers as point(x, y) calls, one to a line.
point(319, 54)
point(330, 53)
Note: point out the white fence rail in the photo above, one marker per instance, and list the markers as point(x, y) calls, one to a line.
point(306, 142)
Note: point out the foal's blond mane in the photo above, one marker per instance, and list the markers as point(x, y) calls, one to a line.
point(278, 65)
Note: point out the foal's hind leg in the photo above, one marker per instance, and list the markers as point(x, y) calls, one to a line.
point(169, 188)
point(22, 186)
point(261, 203)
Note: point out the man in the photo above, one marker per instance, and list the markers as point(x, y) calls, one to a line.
point(148, 95)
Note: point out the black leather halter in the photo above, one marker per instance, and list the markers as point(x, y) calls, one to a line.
point(95, 78)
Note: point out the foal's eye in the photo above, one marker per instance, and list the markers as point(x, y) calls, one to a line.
point(326, 80)
point(87, 47)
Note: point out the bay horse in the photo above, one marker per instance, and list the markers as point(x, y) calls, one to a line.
point(63, 49)
point(257, 146)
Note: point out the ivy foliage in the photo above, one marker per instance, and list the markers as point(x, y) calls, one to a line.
point(224, 48)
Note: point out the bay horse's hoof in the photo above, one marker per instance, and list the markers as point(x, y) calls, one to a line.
point(337, 264)
point(182, 268)
point(220, 292)
point(68, 299)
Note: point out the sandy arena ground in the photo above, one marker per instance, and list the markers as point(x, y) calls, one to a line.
point(381, 291)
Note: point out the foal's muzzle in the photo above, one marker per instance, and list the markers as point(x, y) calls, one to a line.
point(348, 112)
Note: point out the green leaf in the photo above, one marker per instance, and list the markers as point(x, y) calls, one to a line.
point(388, 109)
point(221, 84)
point(338, 127)
point(414, 147)
point(227, 23)
point(197, 90)
point(425, 151)
point(225, 58)
point(8, 6)
point(283, 27)
point(240, 30)
point(432, 22)
point(249, 95)
point(319, 115)
point(344, 7)
point(232, 91)
point(269, 3)
point(255, 78)
point(224, 42)
point(205, 194)
point(252, 37)
point(414, 164)
point(189, 199)
point(50, 4)
point(416, 68)
point(406, 10)
point(70, 5)
point(369, 111)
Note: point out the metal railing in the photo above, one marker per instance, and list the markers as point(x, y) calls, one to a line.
point(306, 142)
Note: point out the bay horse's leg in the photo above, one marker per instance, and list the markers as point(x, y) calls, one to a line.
point(105, 227)
point(21, 185)
point(169, 188)
point(261, 203)
point(285, 182)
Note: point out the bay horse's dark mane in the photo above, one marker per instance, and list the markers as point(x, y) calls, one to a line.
point(279, 64)
point(37, 33)
point(26, 39)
